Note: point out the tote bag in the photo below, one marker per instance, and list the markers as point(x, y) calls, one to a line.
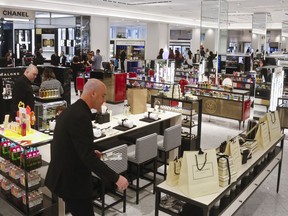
point(137, 100)
point(274, 125)
point(173, 172)
point(199, 173)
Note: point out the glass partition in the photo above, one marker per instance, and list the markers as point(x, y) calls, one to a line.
point(284, 36)
point(213, 25)
point(259, 31)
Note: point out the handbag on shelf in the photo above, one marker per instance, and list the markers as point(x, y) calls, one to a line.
point(274, 125)
point(233, 149)
point(199, 173)
point(262, 135)
point(173, 172)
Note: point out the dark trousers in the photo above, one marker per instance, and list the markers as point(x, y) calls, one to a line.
point(80, 207)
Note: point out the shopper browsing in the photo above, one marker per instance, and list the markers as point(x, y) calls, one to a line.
point(72, 153)
point(97, 60)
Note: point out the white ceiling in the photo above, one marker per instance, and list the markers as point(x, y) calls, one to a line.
point(183, 12)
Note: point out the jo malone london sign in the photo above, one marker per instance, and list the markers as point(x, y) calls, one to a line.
point(15, 13)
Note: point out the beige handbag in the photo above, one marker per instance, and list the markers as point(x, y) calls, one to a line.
point(173, 172)
point(137, 98)
point(274, 125)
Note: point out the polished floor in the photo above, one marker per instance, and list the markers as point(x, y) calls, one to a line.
point(265, 201)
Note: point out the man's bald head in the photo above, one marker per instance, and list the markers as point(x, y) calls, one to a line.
point(31, 72)
point(94, 93)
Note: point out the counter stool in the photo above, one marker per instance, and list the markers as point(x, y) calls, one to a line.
point(170, 141)
point(142, 153)
point(119, 165)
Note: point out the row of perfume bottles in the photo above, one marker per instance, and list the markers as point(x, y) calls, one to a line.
point(49, 93)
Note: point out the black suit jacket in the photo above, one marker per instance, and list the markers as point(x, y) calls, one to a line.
point(73, 157)
point(63, 62)
point(22, 91)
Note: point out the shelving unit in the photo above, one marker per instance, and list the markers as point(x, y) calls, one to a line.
point(190, 109)
point(234, 104)
point(253, 173)
point(242, 82)
point(48, 205)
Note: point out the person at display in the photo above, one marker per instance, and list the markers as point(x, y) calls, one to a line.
point(202, 52)
point(189, 59)
point(76, 67)
point(88, 62)
point(54, 59)
point(178, 59)
point(122, 60)
point(50, 81)
point(22, 90)
point(38, 60)
point(62, 59)
point(210, 59)
point(97, 60)
point(72, 153)
point(160, 55)
point(171, 54)
point(8, 60)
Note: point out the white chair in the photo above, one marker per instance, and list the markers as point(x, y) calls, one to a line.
point(170, 141)
point(142, 153)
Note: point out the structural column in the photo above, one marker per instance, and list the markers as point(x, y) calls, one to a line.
point(99, 35)
point(158, 36)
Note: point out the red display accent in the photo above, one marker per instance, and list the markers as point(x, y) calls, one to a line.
point(246, 111)
point(120, 87)
point(80, 81)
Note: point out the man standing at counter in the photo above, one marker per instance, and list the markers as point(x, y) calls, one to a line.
point(72, 153)
point(97, 60)
point(22, 90)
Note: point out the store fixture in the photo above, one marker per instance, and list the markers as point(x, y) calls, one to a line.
point(21, 184)
point(241, 81)
point(232, 104)
point(191, 111)
point(115, 83)
point(237, 63)
point(230, 198)
point(159, 75)
point(270, 89)
point(45, 111)
point(283, 111)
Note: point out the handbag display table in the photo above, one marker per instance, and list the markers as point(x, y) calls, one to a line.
point(270, 157)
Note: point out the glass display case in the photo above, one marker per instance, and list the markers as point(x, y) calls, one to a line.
point(217, 101)
point(45, 112)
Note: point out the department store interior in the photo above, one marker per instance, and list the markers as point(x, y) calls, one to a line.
point(230, 79)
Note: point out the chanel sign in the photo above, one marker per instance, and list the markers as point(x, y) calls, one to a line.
point(19, 14)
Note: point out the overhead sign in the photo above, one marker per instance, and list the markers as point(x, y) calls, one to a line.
point(17, 14)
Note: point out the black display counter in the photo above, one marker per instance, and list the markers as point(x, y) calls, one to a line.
point(10, 74)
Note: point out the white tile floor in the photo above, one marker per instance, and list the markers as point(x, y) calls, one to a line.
point(265, 201)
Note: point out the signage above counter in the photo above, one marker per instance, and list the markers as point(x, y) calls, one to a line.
point(17, 14)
